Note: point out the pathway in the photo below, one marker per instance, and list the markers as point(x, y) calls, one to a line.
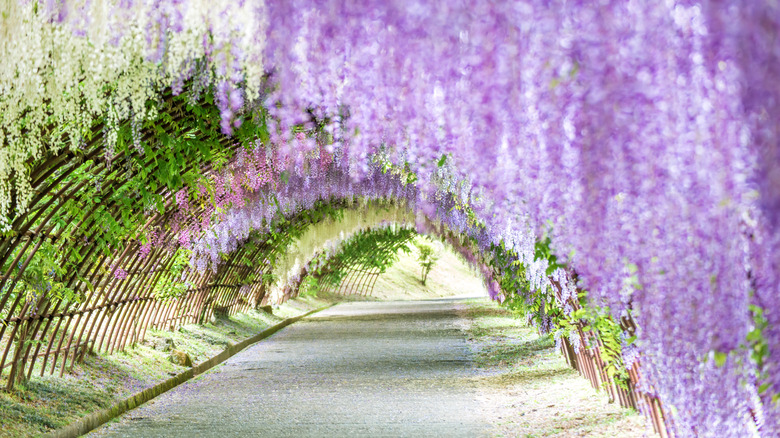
point(357, 369)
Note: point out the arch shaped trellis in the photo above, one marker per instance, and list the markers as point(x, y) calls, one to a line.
point(354, 269)
point(80, 239)
point(90, 210)
point(108, 312)
point(112, 295)
point(70, 190)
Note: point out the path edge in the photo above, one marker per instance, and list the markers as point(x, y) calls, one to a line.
point(99, 418)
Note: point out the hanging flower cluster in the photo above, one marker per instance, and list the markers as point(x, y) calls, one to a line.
point(69, 65)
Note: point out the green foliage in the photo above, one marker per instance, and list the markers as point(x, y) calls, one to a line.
point(541, 307)
point(310, 287)
point(757, 347)
point(427, 257)
point(102, 201)
point(536, 305)
point(756, 341)
point(172, 286)
point(372, 249)
point(600, 327)
point(42, 279)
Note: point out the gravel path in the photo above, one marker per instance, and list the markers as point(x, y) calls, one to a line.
point(357, 369)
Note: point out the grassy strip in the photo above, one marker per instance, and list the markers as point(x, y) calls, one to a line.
point(530, 389)
point(47, 403)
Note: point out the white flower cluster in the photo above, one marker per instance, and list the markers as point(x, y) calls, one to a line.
point(70, 66)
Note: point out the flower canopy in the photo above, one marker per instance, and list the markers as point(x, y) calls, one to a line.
point(639, 139)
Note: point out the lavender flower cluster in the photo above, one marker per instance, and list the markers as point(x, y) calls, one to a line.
point(638, 134)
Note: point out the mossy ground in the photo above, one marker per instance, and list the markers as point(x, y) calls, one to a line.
point(528, 387)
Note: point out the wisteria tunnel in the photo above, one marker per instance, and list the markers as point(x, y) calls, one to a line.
point(610, 168)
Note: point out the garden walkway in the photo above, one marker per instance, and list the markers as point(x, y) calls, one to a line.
point(357, 369)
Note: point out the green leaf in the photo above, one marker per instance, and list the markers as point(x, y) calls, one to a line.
point(720, 358)
point(754, 335)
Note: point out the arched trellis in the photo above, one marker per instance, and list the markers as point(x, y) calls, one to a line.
point(538, 157)
point(74, 203)
point(115, 312)
point(45, 224)
point(355, 269)
point(112, 312)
